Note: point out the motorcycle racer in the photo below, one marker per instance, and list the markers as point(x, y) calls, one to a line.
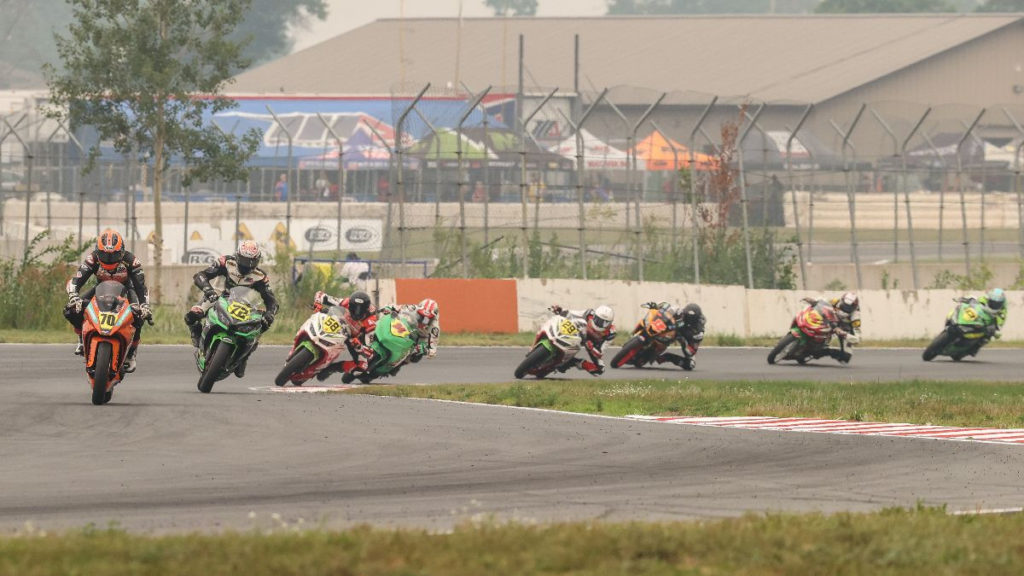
point(238, 269)
point(361, 319)
point(596, 326)
point(995, 301)
point(690, 322)
point(841, 326)
point(109, 261)
point(428, 325)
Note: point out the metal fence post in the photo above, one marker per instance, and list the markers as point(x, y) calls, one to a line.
point(792, 192)
point(906, 196)
point(461, 185)
point(1017, 183)
point(391, 160)
point(895, 193)
point(437, 167)
point(293, 187)
point(401, 180)
point(960, 185)
point(630, 173)
point(341, 181)
point(580, 171)
point(28, 188)
point(693, 190)
point(851, 193)
point(743, 195)
point(81, 190)
point(942, 188)
point(675, 179)
point(523, 134)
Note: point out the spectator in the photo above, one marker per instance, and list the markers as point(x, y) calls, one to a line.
point(478, 191)
point(355, 270)
point(281, 188)
point(383, 190)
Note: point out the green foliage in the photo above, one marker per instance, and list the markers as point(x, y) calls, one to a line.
point(1001, 6)
point(295, 298)
point(979, 279)
point(835, 285)
point(266, 27)
point(31, 287)
point(883, 6)
point(513, 7)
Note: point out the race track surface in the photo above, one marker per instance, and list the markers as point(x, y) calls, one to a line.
point(164, 458)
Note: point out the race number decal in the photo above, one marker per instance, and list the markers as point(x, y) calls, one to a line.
point(658, 325)
point(970, 314)
point(568, 328)
point(330, 325)
point(107, 320)
point(239, 311)
point(398, 329)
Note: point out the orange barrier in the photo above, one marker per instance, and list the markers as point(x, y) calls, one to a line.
point(470, 305)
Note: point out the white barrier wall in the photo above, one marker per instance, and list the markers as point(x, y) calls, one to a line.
point(734, 310)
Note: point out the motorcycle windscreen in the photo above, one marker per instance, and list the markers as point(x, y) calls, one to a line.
point(108, 295)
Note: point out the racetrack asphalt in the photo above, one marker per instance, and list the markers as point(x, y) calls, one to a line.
point(164, 458)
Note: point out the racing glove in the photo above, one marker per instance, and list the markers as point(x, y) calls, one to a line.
point(556, 309)
point(211, 295)
point(75, 302)
point(145, 312)
point(651, 305)
point(268, 320)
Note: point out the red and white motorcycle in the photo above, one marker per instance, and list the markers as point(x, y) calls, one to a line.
point(557, 342)
point(320, 342)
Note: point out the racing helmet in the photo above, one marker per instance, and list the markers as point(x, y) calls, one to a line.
point(359, 305)
point(109, 249)
point(996, 299)
point(690, 316)
point(248, 256)
point(426, 311)
point(849, 302)
point(599, 321)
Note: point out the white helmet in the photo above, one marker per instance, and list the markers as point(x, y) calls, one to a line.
point(600, 320)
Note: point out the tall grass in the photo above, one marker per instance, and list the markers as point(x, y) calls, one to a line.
point(32, 287)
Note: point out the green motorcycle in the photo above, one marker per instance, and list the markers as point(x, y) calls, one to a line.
point(969, 326)
point(393, 342)
point(231, 331)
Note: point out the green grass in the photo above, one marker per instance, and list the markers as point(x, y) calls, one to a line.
point(999, 405)
point(891, 542)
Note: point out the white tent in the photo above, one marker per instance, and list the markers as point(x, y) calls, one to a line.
point(597, 154)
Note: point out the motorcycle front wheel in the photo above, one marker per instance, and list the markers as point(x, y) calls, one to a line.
point(535, 359)
point(214, 366)
point(297, 363)
point(937, 346)
point(629, 351)
point(784, 342)
point(101, 374)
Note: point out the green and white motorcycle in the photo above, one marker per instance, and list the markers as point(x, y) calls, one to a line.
point(969, 326)
point(231, 331)
point(393, 342)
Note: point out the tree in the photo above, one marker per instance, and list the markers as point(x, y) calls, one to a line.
point(883, 6)
point(1001, 6)
point(27, 32)
point(513, 7)
point(146, 74)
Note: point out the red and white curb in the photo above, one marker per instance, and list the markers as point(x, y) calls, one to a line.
point(987, 435)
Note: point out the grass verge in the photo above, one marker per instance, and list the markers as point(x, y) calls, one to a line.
point(999, 405)
point(892, 541)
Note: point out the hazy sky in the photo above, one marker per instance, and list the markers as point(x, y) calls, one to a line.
point(345, 15)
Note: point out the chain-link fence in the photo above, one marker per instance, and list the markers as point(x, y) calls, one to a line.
point(615, 183)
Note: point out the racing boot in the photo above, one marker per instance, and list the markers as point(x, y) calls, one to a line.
point(195, 327)
point(240, 369)
point(564, 367)
point(129, 361)
point(841, 355)
point(324, 374)
point(80, 349)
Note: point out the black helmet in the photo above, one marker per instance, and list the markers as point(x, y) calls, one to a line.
point(691, 315)
point(359, 305)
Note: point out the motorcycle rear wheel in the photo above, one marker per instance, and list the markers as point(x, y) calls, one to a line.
point(937, 346)
point(101, 374)
point(785, 341)
point(214, 366)
point(297, 363)
point(629, 351)
point(535, 359)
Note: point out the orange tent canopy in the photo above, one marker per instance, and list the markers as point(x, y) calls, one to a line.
point(656, 153)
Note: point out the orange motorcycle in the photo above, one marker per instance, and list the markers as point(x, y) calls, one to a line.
point(653, 334)
point(108, 327)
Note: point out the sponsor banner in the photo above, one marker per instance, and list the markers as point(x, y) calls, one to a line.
point(208, 241)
